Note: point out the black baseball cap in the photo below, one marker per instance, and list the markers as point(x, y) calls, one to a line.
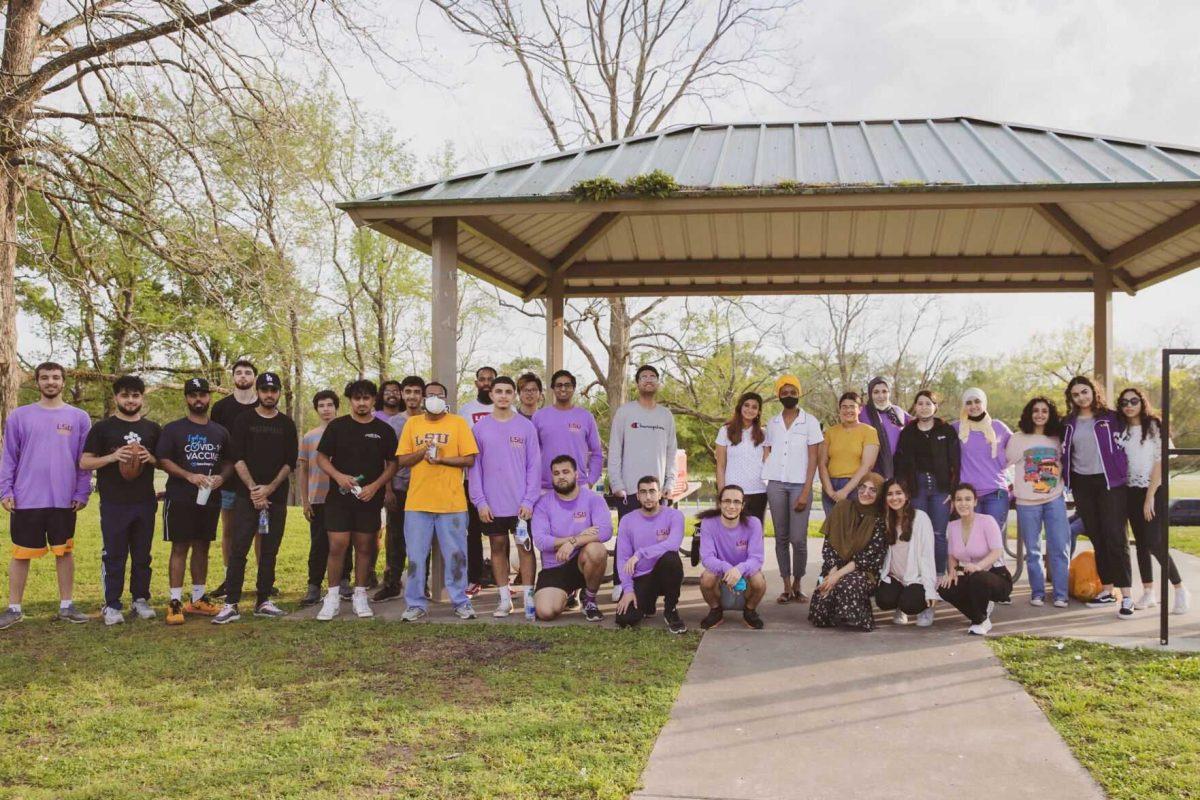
point(268, 380)
point(195, 386)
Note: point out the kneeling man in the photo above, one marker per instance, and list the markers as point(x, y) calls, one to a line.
point(648, 559)
point(731, 550)
point(570, 526)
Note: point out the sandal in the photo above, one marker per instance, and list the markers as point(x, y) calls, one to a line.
point(800, 597)
point(784, 597)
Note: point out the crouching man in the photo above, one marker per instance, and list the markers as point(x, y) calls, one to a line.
point(648, 562)
point(731, 550)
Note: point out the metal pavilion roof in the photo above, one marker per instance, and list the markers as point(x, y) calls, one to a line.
point(951, 204)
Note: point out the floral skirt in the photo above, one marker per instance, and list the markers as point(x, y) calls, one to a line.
point(847, 606)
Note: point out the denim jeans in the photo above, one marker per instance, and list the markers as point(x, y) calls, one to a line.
point(933, 502)
point(827, 502)
point(995, 505)
point(1053, 517)
point(451, 530)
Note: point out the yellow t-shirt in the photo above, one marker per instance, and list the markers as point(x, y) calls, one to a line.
point(436, 488)
point(846, 447)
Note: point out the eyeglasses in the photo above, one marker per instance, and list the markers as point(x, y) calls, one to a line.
point(562, 386)
point(729, 501)
point(1131, 401)
point(867, 490)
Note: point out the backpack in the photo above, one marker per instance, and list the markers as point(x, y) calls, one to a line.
point(1084, 581)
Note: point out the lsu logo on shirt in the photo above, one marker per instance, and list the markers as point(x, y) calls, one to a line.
point(742, 544)
point(432, 438)
point(662, 534)
point(517, 442)
point(574, 427)
point(579, 515)
point(64, 428)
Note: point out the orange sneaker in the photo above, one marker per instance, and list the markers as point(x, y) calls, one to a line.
point(205, 607)
point(175, 613)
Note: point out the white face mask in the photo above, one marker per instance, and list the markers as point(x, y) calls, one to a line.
point(435, 405)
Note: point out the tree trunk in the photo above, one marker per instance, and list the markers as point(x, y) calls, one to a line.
point(616, 381)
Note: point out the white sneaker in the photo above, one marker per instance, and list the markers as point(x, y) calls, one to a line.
point(361, 604)
point(1061, 604)
point(504, 608)
point(1183, 600)
point(113, 616)
point(331, 607)
point(617, 591)
point(981, 629)
point(465, 611)
point(1037, 601)
point(413, 613)
point(1147, 600)
point(1126, 609)
point(269, 609)
point(925, 618)
point(899, 618)
point(142, 608)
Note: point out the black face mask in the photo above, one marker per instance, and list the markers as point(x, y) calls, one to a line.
point(484, 396)
point(789, 402)
point(978, 418)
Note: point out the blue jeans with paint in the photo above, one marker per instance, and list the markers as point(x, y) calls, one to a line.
point(451, 531)
point(826, 501)
point(995, 505)
point(932, 501)
point(1030, 521)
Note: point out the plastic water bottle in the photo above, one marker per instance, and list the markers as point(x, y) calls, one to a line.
point(264, 522)
point(357, 479)
point(530, 608)
point(522, 534)
point(740, 586)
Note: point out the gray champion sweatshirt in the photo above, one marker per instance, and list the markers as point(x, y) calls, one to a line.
point(641, 443)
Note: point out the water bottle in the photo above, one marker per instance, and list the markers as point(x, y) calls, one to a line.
point(522, 534)
point(357, 489)
point(740, 586)
point(530, 608)
point(264, 522)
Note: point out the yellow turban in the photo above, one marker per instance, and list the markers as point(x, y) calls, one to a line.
point(787, 380)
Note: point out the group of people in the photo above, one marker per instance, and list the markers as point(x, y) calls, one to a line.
point(915, 507)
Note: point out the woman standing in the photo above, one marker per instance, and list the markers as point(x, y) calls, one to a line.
point(977, 578)
point(927, 462)
point(1037, 451)
point(908, 579)
point(851, 557)
point(1142, 442)
point(983, 441)
point(740, 453)
point(1096, 474)
point(887, 419)
point(847, 454)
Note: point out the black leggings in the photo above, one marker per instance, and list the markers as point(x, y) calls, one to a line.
point(1147, 535)
point(756, 505)
point(892, 595)
point(1103, 513)
point(663, 581)
point(971, 593)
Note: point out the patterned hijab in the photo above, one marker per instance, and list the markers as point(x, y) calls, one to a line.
point(850, 526)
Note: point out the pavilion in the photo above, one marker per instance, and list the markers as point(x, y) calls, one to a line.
point(866, 206)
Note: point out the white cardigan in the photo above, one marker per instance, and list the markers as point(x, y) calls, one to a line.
point(921, 567)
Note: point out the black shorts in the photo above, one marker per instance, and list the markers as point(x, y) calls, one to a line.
point(37, 531)
point(568, 577)
point(500, 526)
point(345, 518)
point(185, 521)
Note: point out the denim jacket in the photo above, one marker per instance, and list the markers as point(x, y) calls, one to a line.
point(1109, 426)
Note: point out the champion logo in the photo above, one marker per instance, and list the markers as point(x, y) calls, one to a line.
point(647, 427)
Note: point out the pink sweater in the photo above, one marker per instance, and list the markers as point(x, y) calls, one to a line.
point(985, 537)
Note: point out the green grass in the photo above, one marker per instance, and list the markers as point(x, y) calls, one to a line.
point(1132, 717)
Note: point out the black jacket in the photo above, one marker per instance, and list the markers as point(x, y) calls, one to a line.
point(946, 455)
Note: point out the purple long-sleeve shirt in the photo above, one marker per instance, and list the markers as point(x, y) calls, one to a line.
point(572, 432)
point(723, 548)
point(979, 467)
point(507, 472)
point(554, 518)
point(892, 429)
point(40, 464)
point(649, 538)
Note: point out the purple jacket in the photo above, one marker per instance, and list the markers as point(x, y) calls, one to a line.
point(1109, 426)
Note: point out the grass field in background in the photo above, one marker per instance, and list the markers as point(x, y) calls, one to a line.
point(1132, 717)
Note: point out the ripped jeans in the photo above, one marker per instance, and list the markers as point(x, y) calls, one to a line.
point(451, 530)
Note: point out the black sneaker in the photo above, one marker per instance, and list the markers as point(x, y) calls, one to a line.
point(386, 592)
point(220, 591)
point(752, 620)
point(311, 597)
point(572, 600)
point(714, 618)
point(674, 623)
point(591, 612)
point(1126, 609)
point(1106, 599)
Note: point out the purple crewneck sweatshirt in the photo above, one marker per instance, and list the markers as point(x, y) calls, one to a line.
point(554, 517)
point(649, 538)
point(979, 467)
point(507, 472)
point(40, 464)
point(722, 548)
point(573, 433)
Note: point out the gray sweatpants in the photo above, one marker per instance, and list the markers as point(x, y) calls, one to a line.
point(791, 528)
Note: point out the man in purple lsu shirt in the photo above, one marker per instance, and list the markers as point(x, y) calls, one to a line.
point(731, 549)
point(648, 563)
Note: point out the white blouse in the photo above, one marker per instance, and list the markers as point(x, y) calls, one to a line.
point(743, 462)
point(1142, 456)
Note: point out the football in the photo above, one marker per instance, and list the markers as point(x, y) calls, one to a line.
point(131, 469)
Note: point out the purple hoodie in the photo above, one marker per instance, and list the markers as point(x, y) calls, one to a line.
point(649, 538)
point(1108, 428)
point(554, 517)
point(574, 433)
point(506, 473)
point(40, 465)
point(723, 548)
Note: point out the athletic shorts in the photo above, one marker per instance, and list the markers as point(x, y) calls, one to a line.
point(568, 577)
point(341, 518)
point(37, 531)
point(188, 522)
point(500, 526)
point(227, 498)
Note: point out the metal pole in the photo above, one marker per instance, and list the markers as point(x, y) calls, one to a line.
point(1164, 501)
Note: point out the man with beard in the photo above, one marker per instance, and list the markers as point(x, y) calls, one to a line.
point(648, 559)
point(570, 526)
point(412, 394)
point(731, 550)
point(263, 449)
point(473, 411)
point(192, 451)
point(391, 401)
point(120, 449)
point(42, 487)
point(225, 412)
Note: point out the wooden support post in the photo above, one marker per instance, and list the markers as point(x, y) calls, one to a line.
point(554, 326)
point(1102, 329)
point(444, 311)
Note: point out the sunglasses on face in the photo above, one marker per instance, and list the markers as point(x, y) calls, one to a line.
point(1129, 401)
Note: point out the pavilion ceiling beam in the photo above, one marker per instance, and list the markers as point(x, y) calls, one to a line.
point(1177, 267)
point(601, 224)
point(814, 267)
point(1178, 225)
point(414, 239)
point(509, 242)
point(1077, 235)
point(832, 287)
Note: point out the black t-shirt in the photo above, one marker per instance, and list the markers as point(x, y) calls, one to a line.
point(923, 449)
point(106, 437)
point(358, 448)
point(226, 411)
point(195, 448)
point(266, 444)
